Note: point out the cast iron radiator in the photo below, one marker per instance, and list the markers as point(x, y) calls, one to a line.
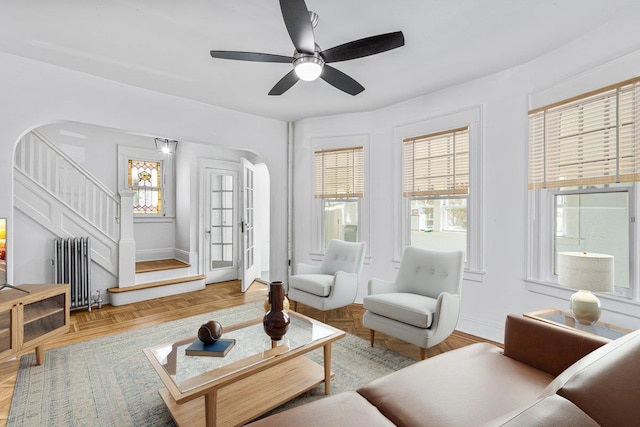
point(72, 265)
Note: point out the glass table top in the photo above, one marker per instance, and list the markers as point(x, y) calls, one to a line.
point(599, 328)
point(252, 347)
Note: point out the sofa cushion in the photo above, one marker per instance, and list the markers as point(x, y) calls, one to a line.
point(553, 411)
point(605, 383)
point(416, 310)
point(345, 409)
point(469, 386)
point(316, 284)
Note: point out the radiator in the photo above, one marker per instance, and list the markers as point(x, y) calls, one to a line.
point(72, 265)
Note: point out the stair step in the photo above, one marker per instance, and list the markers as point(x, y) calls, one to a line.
point(157, 284)
point(159, 265)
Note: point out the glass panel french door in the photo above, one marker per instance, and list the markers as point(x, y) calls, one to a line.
point(248, 250)
point(221, 225)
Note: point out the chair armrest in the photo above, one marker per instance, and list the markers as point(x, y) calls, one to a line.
point(343, 291)
point(302, 268)
point(379, 286)
point(445, 317)
point(545, 346)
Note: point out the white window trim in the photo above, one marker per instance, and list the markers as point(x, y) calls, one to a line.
point(618, 70)
point(539, 277)
point(541, 235)
point(317, 217)
point(472, 117)
point(125, 154)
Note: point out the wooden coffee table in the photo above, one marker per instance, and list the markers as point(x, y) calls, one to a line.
point(256, 375)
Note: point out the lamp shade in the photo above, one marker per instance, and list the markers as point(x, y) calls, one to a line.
point(586, 271)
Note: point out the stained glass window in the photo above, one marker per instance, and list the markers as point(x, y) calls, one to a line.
point(145, 178)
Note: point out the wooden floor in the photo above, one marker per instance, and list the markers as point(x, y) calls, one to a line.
point(158, 265)
point(113, 320)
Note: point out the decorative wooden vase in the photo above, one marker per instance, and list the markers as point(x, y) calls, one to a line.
point(276, 320)
point(267, 304)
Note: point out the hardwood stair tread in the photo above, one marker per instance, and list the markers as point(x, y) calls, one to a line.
point(159, 265)
point(157, 284)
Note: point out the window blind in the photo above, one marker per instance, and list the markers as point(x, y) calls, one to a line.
point(436, 164)
point(339, 173)
point(591, 139)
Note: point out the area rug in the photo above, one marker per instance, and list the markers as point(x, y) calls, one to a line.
point(109, 381)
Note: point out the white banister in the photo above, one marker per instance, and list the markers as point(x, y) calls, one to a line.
point(127, 244)
point(50, 168)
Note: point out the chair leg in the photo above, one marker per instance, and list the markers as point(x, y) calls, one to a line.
point(372, 336)
point(423, 353)
point(324, 317)
point(295, 306)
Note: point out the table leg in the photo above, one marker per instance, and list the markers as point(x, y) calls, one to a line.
point(40, 354)
point(327, 368)
point(210, 407)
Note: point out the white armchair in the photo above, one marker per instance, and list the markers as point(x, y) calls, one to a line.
point(423, 304)
point(333, 283)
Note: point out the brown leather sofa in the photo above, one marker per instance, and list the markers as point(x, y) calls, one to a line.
point(545, 376)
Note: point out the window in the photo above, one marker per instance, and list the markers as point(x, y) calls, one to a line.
point(339, 185)
point(145, 179)
point(594, 221)
point(583, 168)
point(435, 182)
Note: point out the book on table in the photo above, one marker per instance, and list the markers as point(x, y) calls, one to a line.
point(218, 349)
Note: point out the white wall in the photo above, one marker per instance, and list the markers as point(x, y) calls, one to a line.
point(263, 236)
point(503, 99)
point(34, 94)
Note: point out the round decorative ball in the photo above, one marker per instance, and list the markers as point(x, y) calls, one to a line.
point(210, 332)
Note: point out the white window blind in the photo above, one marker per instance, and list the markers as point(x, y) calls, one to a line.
point(591, 139)
point(339, 173)
point(436, 164)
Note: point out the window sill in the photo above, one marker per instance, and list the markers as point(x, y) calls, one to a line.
point(152, 219)
point(611, 303)
point(474, 275)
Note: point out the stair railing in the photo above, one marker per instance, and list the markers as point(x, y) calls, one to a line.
point(46, 165)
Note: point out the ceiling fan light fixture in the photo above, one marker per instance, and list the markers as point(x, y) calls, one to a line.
point(308, 67)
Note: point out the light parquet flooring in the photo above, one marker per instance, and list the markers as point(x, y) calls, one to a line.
point(158, 265)
point(109, 320)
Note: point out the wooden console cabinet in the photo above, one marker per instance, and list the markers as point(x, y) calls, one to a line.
point(28, 320)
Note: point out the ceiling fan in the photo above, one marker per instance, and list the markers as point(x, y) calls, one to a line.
point(309, 62)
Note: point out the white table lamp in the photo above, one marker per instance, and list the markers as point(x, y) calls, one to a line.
point(586, 272)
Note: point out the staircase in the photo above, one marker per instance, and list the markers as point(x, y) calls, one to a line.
point(68, 201)
point(62, 197)
point(156, 279)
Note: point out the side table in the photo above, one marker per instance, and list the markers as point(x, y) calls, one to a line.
point(565, 320)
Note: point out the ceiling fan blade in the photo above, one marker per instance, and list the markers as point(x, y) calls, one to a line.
point(340, 80)
point(285, 83)
point(298, 23)
point(250, 56)
point(364, 47)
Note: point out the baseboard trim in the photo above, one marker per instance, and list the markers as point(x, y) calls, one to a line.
point(492, 331)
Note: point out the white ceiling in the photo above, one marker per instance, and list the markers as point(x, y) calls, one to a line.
point(164, 45)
